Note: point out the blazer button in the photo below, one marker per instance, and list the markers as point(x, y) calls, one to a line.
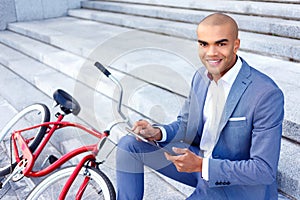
point(227, 183)
point(217, 183)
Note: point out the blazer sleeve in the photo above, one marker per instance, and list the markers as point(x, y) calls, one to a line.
point(261, 167)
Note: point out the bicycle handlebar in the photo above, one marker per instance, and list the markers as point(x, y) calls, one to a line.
point(116, 81)
point(102, 69)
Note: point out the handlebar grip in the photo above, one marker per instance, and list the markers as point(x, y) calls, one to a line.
point(102, 69)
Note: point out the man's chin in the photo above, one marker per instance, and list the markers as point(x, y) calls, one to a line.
point(214, 71)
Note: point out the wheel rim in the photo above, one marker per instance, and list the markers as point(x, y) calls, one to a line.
point(52, 185)
point(29, 116)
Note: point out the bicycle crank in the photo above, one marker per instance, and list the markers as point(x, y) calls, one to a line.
point(17, 174)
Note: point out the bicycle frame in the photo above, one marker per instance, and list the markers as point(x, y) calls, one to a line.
point(52, 127)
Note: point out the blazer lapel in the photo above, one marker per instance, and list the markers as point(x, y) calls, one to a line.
point(239, 86)
point(199, 91)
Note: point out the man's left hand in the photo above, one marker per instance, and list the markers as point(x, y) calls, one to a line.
point(186, 160)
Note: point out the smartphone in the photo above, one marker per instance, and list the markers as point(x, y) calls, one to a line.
point(136, 135)
point(154, 143)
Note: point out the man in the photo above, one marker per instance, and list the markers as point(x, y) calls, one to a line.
point(227, 135)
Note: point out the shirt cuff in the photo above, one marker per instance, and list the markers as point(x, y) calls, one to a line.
point(205, 167)
point(163, 133)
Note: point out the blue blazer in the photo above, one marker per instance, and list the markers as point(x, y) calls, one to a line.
point(245, 159)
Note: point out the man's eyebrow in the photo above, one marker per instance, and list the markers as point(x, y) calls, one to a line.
point(216, 42)
point(220, 41)
point(203, 42)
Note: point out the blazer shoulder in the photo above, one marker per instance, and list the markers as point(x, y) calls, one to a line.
point(257, 77)
point(263, 79)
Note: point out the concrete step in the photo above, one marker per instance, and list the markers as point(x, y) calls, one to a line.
point(257, 24)
point(269, 20)
point(288, 176)
point(81, 43)
point(256, 8)
point(286, 48)
point(277, 1)
point(88, 75)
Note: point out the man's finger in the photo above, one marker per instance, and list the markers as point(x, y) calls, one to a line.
point(170, 157)
point(180, 150)
point(140, 124)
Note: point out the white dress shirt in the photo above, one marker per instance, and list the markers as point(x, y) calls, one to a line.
point(226, 82)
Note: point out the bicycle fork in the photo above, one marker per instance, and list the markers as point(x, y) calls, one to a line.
point(73, 176)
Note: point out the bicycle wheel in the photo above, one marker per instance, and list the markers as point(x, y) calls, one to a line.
point(99, 186)
point(32, 115)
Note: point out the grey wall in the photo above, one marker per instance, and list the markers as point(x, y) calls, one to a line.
point(27, 10)
point(7, 13)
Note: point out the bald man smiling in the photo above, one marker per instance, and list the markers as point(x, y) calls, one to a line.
point(226, 138)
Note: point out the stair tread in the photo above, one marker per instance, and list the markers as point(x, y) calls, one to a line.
point(251, 42)
point(275, 9)
point(267, 25)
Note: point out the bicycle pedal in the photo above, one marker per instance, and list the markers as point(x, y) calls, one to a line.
point(52, 159)
point(17, 177)
point(49, 159)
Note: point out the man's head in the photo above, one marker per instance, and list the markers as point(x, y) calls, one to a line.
point(218, 43)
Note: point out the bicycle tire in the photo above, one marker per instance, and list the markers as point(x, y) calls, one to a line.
point(32, 115)
point(50, 188)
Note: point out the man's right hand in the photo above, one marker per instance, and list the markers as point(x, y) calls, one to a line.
point(146, 130)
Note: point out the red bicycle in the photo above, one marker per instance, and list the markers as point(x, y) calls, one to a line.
point(22, 147)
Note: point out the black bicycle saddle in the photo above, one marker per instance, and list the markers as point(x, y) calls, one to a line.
point(66, 102)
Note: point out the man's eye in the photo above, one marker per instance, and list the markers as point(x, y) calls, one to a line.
point(202, 44)
point(221, 44)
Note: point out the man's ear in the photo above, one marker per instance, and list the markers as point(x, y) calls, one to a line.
point(236, 45)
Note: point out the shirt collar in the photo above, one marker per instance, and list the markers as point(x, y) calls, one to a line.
point(230, 76)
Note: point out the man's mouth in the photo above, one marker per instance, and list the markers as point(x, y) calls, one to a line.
point(214, 61)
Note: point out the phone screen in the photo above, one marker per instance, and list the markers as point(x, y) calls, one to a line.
point(154, 143)
point(136, 135)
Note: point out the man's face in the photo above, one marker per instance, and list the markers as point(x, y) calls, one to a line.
point(217, 48)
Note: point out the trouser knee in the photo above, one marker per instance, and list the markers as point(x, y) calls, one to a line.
point(127, 143)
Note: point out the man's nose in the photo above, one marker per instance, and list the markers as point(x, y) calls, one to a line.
point(211, 50)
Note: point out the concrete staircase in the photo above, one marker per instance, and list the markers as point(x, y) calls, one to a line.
point(269, 22)
point(150, 46)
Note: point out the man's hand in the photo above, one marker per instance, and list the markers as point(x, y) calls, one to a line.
point(146, 130)
point(186, 161)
